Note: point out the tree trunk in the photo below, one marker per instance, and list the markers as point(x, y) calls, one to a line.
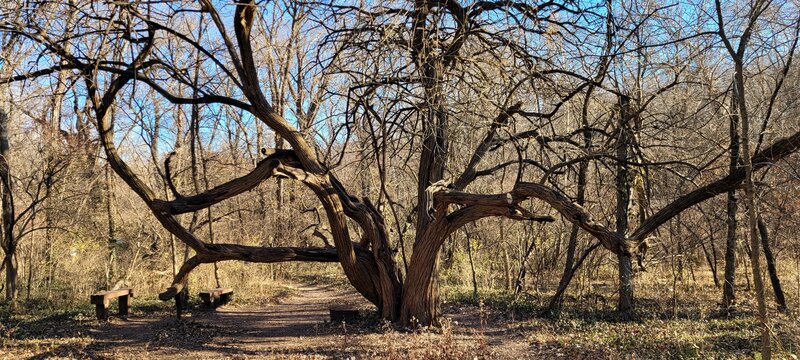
point(9, 242)
point(111, 242)
point(780, 298)
point(506, 262)
point(710, 261)
point(729, 287)
point(420, 306)
point(555, 303)
point(625, 268)
point(566, 276)
point(519, 284)
point(749, 190)
point(472, 268)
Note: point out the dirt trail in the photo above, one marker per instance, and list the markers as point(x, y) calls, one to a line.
point(296, 325)
point(286, 321)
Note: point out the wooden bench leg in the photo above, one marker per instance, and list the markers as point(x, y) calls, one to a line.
point(225, 298)
point(206, 301)
point(178, 306)
point(102, 311)
point(123, 306)
point(181, 300)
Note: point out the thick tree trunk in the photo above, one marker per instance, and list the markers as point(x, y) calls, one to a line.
point(10, 264)
point(420, 306)
point(625, 301)
point(420, 293)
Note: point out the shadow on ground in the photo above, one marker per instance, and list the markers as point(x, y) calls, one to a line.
point(298, 325)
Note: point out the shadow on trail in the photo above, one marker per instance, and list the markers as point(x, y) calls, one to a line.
point(298, 324)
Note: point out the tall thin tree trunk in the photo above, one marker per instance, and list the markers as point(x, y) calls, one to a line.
point(625, 267)
point(555, 302)
point(749, 190)
point(566, 276)
point(111, 242)
point(30, 273)
point(780, 298)
point(9, 242)
point(519, 284)
point(211, 240)
point(714, 257)
point(711, 262)
point(729, 286)
point(506, 261)
point(472, 268)
point(570, 267)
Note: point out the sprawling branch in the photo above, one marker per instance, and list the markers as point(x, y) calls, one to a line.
point(222, 252)
point(573, 212)
point(777, 151)
point(242, 24)
point(265, 169)
point(478, 206)
point(612, 241)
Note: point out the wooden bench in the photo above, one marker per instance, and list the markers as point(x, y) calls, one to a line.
point(215, 297)
point(103, 299)
point(345, 314)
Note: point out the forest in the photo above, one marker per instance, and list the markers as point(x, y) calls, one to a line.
point(460, 178)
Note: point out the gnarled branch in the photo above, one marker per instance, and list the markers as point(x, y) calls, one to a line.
point(263, 170)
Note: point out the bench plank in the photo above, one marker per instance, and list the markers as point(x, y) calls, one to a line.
point(217, 291)
point(213, 298)
point(105, 296)
point(102, 300)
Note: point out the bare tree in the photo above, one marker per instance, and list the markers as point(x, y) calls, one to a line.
point(430, 80)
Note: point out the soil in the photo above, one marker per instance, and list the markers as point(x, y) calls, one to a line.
point(297, 327)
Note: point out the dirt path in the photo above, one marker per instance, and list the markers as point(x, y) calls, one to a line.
point(297, 327)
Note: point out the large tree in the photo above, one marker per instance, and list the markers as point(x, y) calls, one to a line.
point(414, 70)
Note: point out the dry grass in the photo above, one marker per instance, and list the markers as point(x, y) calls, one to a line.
point(494, 325)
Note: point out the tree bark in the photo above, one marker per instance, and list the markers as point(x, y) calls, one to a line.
point(420, 297)
point(519, 283)
point(468, 244)
point(566, 276)
point(9, 242)
point(111, 240)
point(555, 303)
point(780, 298)
point(729, 287)
point(625, 268)
point(758, 8)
